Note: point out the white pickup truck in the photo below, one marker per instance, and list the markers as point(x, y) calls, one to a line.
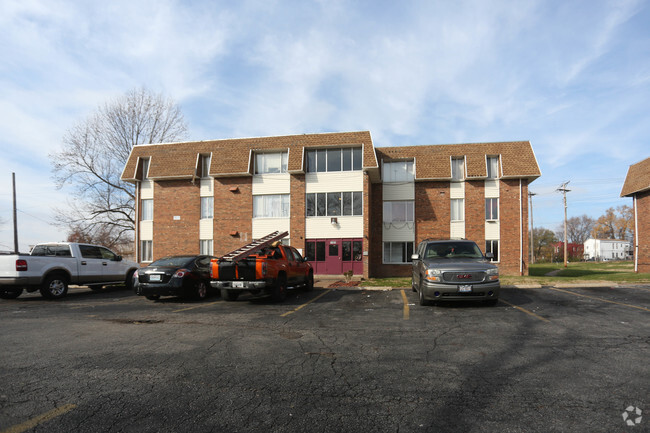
point(51, 267)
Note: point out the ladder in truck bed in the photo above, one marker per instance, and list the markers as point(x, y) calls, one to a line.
point(253, 247)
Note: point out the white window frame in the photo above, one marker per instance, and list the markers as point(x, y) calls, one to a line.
point(458, 169)
point(489, 216)
point(457, 209)
point(207, 208)
point(205, 166)
point(146, 250)
point(146, 214)
point(496, 257)
point(271, 163)
point(397, 171)
point(266, 206)
point(206, 247)
point(397, 247)
point(391, 216)
point(492, 167)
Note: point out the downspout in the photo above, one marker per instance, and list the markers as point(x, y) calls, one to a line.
point(636, 236)
point(137, 223)
point(521, 231)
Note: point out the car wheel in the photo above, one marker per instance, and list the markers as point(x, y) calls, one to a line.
point(54, 287)
point(422, 300)
point(200, 290)
point(229, 295)
point(129, 279)
point(10, 293)
point(152, 297)
point(309, 283)
point(279, 293)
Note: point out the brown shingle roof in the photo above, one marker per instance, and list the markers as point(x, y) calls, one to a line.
point(232, 156)
point(517, 159)
point(637, 179)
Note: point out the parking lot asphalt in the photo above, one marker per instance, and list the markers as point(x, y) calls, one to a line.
point(543, 359)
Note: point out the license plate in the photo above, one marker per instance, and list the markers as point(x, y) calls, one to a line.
point(239, 284)
point(464, 289)
point(155, 277)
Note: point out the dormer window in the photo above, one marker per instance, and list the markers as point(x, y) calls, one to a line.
point(204, 166)
point(492, 167)
point(145, 169)
point(268, 163)
point(336, 159)
point(458, 168)
point(401, 171)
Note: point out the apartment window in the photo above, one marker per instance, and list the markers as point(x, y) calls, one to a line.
point(145, 169)
point(492, 246)
point(146, 251)
point(491, 208)
point(457, 209)
point(458, 168)
point(333, 160)
point(205, 247)
point(492, 167)
point(398, 252)
point(334, 203)
point(398, 211)
point(147, 209)
point(266, 163)
point(207, 207)
point(401, 171)
point(205, 166)
point(271, 206)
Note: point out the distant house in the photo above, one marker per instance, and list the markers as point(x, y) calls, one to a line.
point(607, 249)
point(637, 186)
point(574, 251)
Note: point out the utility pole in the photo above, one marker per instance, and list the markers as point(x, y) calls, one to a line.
point(563, 189)
point(532, 228)
point(13, 181)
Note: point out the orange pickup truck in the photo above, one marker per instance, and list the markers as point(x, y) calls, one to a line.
point(263, 268)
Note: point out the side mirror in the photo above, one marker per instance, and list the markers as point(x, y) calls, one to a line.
point(489, 256)
point(415, 257)
point(118, 258)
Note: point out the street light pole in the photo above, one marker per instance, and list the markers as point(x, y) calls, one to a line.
point(563, 189)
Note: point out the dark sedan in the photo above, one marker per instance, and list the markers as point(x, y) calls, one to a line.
point(187, 276)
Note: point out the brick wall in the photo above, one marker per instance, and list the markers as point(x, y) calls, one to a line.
point(297, 212)
point(511, 226)
point(181, 199)
point(643, 232)
point(233, 211)
point(475, 212)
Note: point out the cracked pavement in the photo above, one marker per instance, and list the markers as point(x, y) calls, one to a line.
point(348, 362)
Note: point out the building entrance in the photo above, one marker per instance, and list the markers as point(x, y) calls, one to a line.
point(335, 256)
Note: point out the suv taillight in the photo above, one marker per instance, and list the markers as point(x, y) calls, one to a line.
point(21, 265)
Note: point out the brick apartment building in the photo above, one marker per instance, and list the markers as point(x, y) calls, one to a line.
point(637, 186)
point(346, 204)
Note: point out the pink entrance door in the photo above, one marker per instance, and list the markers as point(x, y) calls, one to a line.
point(333, 257)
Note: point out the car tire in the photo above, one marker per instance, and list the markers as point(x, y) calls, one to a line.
point(421, 297)
point(309, 282)
point(128, 283)
point(229, 295)
point(279, 292)
point(10, 293)
point(200, 290)
point(54, 287)
point(152, 297)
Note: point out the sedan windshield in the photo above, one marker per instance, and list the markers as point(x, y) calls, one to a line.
point(447, 250)
point(179, 262)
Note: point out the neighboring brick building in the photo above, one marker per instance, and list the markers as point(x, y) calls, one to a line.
point(573, 251)
point(346, 204)
point(637, 186)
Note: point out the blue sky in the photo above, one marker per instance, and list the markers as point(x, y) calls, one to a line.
point(573, 77)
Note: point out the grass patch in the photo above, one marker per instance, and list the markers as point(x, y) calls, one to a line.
point(578, 272)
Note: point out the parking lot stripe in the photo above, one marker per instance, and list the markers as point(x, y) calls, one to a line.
point(406, 305)
point(599, 299)
point(197, 306)
point(40, 419)
point(306, 303)
point(537, 316)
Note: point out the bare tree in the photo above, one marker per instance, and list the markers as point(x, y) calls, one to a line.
point(543, 240)
point(578, 229)
point(93, 157)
